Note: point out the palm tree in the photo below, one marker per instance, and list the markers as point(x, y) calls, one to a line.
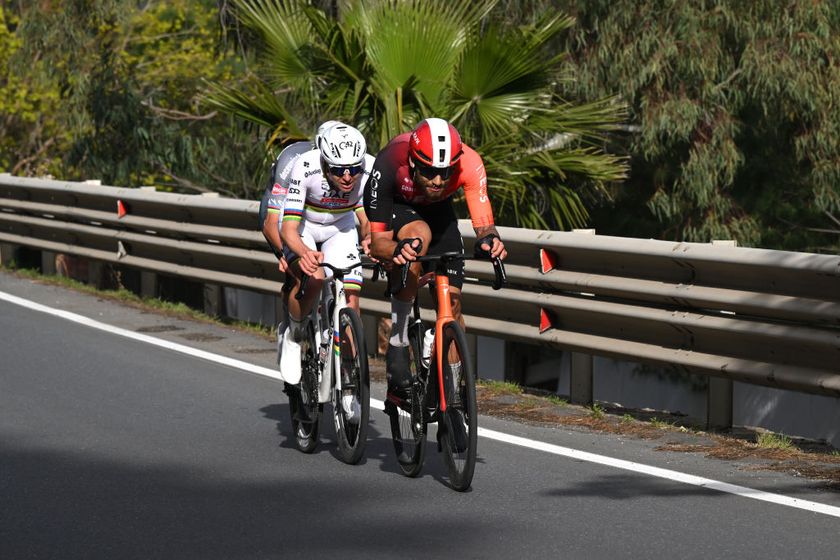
point(383, 65)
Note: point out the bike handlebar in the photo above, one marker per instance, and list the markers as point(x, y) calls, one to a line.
point(498, 268)
point(337, 272)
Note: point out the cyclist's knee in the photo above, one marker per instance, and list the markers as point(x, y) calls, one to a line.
point(353, 299)
point(417, 229)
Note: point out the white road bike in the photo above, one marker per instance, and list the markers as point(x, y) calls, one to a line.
point(334, 369)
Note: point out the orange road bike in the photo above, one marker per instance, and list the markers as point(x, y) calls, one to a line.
point(443, 390)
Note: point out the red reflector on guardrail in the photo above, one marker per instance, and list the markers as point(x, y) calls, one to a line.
point(121, 209)
point(546, 320)
point(548, 261)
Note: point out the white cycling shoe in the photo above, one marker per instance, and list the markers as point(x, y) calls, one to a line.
point(352, 408)
point(281, 330)
point(290, 359)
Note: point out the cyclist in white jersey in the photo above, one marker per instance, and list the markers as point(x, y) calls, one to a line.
point(319, 224)
point(274, 196)
point(271, 210)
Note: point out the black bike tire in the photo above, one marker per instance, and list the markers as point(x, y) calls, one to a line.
point(460, 463)
point(306, 434)
point(410, 438)
point(353, 438)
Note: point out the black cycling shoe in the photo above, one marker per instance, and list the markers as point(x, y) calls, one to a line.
point(398, 370)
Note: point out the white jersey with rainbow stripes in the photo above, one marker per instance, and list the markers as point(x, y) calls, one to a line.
point(310, 196)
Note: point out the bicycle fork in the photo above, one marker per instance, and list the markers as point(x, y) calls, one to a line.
point(445, 315)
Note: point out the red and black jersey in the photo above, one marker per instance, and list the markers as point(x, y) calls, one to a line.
point(390, 180)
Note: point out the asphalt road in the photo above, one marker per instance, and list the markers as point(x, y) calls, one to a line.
point(115, 448)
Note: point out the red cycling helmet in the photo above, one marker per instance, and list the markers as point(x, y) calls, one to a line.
point(435, 143)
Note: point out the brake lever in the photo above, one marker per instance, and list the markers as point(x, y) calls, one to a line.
point(501, 276)
point(302, 290)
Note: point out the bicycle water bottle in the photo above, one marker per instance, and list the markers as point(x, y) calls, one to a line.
point(428, 340)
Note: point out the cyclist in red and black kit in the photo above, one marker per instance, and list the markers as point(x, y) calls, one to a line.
point(408, 203)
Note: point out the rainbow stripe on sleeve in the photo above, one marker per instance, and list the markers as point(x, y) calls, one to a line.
point(292, 215)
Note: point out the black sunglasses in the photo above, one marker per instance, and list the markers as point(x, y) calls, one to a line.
point(340, 170)
point(430, 172)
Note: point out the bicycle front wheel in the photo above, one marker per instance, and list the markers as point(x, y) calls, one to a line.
point(352, 402)
point(408, 425)
point(305, 408)
point(458, 425)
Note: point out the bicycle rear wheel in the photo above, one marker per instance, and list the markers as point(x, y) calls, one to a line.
point(351, 414)
point(306, 409)
point(458, 426)
point(408, 425)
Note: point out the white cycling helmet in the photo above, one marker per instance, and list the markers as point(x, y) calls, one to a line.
point(342, 145)
point(325, 126)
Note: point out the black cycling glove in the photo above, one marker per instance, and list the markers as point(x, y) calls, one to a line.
point(410, 242)
point(478, 252)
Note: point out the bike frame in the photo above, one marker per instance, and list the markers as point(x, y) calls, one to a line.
point(330, 373)
point(444, 316)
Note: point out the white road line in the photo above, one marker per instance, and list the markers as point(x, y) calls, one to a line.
point(667, 474)
point(82, 320)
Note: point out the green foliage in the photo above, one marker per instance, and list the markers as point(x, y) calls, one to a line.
point(733, 107)
point(28, 105)
point(384, 65)
point(769, 440)
point(114, 96)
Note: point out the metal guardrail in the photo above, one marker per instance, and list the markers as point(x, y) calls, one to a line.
point(764, 317)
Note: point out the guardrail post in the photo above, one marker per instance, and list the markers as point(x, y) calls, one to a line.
point(719, 403)
point(719, 390)
point(370, 324)
point(148, 284)
point(214, 301)
point(96, 274)
point(580, 383)
point(48, 263)
point(8, 254)
point(472, 348)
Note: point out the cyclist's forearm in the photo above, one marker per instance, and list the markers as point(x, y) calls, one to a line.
point(291, 237)
point(382, 245)
point(364, 224)
point(271, 230)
